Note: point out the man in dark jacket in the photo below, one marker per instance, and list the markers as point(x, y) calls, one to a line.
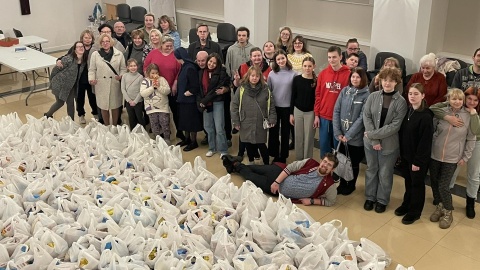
point(120, 34)
point(203, 43)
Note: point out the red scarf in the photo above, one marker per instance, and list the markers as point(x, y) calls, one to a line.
point(207, 74)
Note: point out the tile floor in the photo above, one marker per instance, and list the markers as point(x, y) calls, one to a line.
point(422, 245)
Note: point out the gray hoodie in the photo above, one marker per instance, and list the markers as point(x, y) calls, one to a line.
point(237, 55)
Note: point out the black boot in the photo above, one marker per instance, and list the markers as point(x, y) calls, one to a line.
point(470, 207)
point(341, 187)
point(349, 187)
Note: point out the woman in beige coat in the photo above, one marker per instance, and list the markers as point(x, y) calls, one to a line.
point(107, 66)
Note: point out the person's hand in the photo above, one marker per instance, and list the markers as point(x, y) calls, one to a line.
point(377, 147)
point(92, 82)
point(237, 127)
point(415, 168)
point(202, 105)
point(365, 134)
point(292, 120)
point(155, 83)
point(461, 162)
point(274, 187)
point(271, 125)
point(132, 103)
point(118, 77)
point(316, 122)
point(454, 121)
point(472, 111)
point(305, 201)
point(236, 76)
point(59, 64)
point(221, 91)
point(174, 90)
point(187, 93)
point(376, 80)
point(342, 138)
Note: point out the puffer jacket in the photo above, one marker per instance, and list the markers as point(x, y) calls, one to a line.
point(249, 115)
point(348, 114)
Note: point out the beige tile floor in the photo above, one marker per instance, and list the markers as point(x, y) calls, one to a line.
point(423, 244)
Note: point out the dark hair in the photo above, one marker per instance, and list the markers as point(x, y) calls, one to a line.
point(352, 40)
point(309, 58)
point(253, 69)
point(218, 58)
point(335, 49)
point(363, 77)
point(150, 68)
point(202, 25)
point(353, 54)
point(276, 67)
point(331, 157)
point(171, 24)
point(420, 89)
point(103, 26)
point(301, 39)
point(475, 92)
point(394, 74)
point(255, 49)
point(243, 28)
point(74, 55)
point(476, 51)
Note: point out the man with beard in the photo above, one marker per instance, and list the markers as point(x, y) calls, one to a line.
point(469, 76)
point(305, 181)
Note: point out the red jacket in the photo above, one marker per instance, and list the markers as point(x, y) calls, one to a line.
point(329, 85)
point(242, 70)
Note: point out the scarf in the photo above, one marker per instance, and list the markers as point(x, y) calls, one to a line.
point(207, 74)
point(107, 56)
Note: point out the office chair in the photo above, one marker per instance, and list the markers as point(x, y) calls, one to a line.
point(193, 37)
point(123, 14)
point(137, 19)
point(380, 58)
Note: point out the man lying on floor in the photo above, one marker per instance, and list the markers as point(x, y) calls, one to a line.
point(306, 180)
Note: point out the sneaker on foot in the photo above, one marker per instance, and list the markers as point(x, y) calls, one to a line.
point(437, 214)
point(446, 219)
point(82, 120)
point(210, 153)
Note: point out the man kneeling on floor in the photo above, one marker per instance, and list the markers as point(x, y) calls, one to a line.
point(306, 180)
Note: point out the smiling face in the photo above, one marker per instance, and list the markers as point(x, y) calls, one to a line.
point(132, 67)
point(388, 84)
point(281, 60)
point(334, 59)
point(298, 46)
point(212, 63)
point(326, 166)
point(285, 36)
point(427, 71)
point(167, 47)
point(87, 39)
point(154, 38)
point(456, 102)
point(79, 48)
point(164, 25)
point(256, 58)
point(308, 68)
point(471, 101)
point(355, 79)
point(106, 43)
point(352, 62)
point(137, 40)
point(476, 60)
point(119, 28)
point(415, 97)
point(268, 48)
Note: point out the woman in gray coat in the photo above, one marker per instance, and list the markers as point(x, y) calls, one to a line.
point(382, 116)
point(253, 112)
point(64, 80)
point(348, 124)
point(107, 66)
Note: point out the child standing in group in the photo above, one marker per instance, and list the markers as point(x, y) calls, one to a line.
point(253, 112)
point(155, 89)
point(130, 85)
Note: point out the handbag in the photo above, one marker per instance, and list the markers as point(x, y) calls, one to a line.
point(344, 168)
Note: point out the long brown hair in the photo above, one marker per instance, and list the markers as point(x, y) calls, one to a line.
point(475, 92)
point(253, 69)
point(420, 89)
point(309, 58)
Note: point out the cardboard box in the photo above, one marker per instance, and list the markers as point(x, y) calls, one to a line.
point(8, 42)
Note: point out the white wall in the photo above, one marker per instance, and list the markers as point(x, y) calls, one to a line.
point(436, 33)
point(59, 21)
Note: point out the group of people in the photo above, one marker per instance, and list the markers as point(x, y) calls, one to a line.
point(273, 98)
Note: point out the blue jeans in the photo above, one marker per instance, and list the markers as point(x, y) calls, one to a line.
point(214, 124)
point(379, 174)
point(325, 135)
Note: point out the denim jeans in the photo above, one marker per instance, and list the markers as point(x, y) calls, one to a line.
point(325, 136)
point(214, 124)
point(379, 174)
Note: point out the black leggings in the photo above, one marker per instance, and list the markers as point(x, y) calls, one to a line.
point(261, 175)
point(252, 150)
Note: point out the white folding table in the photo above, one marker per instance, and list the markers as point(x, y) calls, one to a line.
point(25, 61)
point(32, 41)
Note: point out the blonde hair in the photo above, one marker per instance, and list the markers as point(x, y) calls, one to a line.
point(428, 59)
point(100, 38)
point(455, 93)
point(159, 36)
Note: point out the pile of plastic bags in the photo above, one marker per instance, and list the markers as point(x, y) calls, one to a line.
point(110, 198)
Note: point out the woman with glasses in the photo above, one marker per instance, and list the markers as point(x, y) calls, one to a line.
point(298, 53)
point(354, 47)
point(169, 68)
point(284, 40)
point(107, 65)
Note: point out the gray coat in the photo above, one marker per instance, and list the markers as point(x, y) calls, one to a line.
point(64, 79)
point(387, 135)
point(348, 114)
point(249, 116)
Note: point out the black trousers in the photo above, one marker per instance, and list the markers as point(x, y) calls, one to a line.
point(136, 114)
point(414, 197)
point(261, 175)
point(82, 88)
point(172, 102)
point(252, 150)
point(279, 148)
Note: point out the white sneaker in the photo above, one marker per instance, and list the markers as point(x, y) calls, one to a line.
point(82, 120)
point(210, 153)
point(224, 154)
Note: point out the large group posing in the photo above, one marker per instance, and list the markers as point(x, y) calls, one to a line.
point(274, 99)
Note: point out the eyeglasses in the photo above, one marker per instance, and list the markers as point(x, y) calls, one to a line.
point(106, 32)
point(285, 34)
point(106, 41)
point(353, 49)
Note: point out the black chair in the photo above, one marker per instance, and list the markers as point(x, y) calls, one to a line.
point(193, 37)
point(123, 14)
point(226, 34)
point(138, 18)
point(1, 32)
point(18, 34)
point(380, 58)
